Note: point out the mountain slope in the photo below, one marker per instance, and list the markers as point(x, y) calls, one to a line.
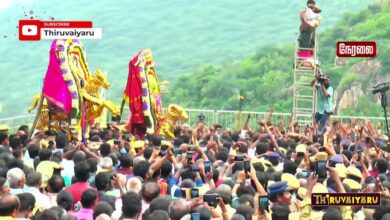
point(266, 76)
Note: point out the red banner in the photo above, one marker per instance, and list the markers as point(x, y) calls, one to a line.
point(356, 49)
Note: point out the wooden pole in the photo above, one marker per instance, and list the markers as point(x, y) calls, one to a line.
point(239, 110)
point(120, 114)
point(39, 108)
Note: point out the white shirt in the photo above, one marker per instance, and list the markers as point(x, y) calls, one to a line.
point(27, 156)
point(145, 206)
point(280, 167)
point(42, 199)
point(68, 168)
point(310, 15)
point(252, 152)
point(53, 198)
point(118, 209)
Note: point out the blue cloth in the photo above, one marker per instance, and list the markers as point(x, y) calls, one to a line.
point(272, 155)
point(322, 118)
point(337, 158)
point(278, 187)
point(331, 190)
point(123, 150)
point(198, 182)
point(175, 189)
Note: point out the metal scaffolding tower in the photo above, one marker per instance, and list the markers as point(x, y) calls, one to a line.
point(304, 96)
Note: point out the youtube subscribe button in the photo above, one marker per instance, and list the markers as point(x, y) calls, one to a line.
point(29, 30)
point(34, 30)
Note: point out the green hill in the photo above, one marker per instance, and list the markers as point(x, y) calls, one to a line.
point(182, 34)
point(266, 76)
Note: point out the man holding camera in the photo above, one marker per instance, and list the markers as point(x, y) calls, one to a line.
point(324, 99)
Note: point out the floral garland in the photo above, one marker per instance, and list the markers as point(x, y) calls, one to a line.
point(146, 103)
point(75, 77)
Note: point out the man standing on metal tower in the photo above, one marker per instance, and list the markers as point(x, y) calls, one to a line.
point(310, 20)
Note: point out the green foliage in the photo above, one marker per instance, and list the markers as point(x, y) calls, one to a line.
point(266, 76)
point(383, 55)
point(347, 80)
point(219, 87)
point(365, 107)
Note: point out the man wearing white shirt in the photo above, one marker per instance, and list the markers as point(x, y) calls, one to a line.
point(34, 181)
point(68, 170)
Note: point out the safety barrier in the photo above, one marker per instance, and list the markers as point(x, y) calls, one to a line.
point(15, 122)
point(227, 119)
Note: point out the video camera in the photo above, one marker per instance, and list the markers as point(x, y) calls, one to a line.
point(380, 88)
point(201, 118)
point(322, 78)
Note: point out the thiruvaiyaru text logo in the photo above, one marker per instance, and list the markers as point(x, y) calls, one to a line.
point(345, 199)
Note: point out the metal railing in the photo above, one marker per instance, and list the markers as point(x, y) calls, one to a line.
point(15, 122)
point(227, 119)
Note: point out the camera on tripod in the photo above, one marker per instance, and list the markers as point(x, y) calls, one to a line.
point(380, 88)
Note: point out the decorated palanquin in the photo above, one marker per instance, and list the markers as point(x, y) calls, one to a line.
point(71, 94)
point(142, 92)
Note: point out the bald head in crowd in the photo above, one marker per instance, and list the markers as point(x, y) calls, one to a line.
point(9, 205)
point(150, 191)
point(178, 209)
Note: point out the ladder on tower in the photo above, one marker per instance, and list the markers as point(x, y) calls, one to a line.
point(304, 95)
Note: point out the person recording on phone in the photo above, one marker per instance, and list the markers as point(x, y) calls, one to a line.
point(324, 99)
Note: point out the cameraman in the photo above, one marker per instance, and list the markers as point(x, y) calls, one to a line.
point(324, 99)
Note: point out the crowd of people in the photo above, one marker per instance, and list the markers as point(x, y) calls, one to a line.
point(205, 172)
